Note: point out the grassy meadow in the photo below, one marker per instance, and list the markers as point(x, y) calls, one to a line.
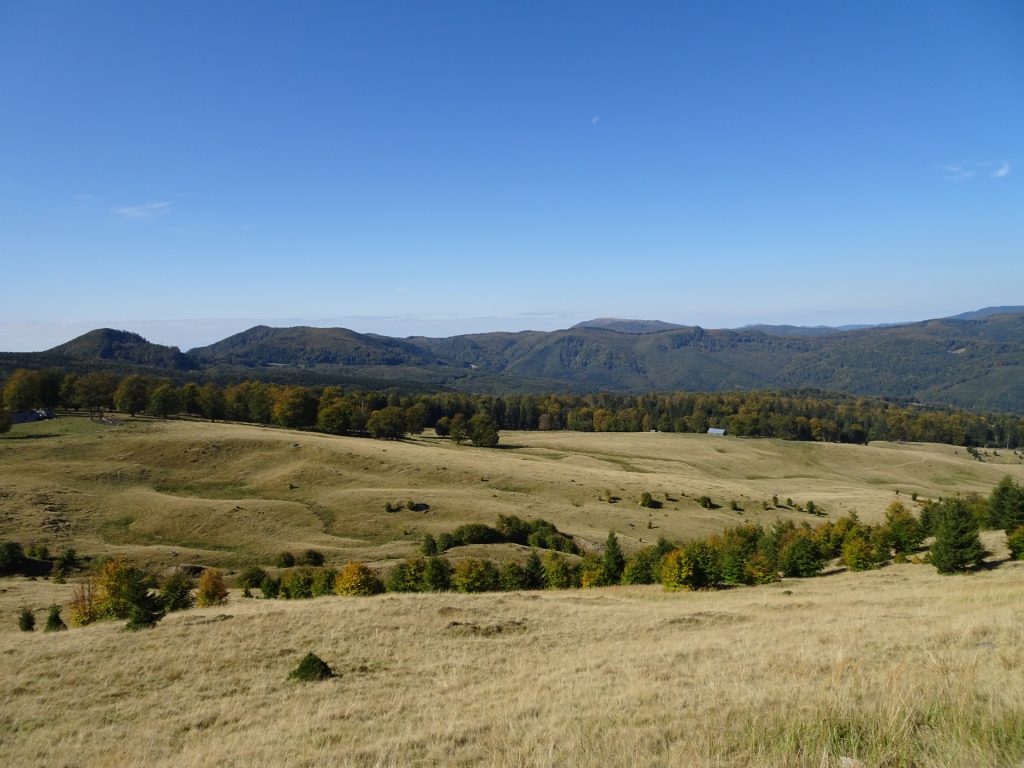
point(894, 667)
point(164, 493)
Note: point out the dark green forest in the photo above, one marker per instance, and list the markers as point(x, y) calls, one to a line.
point(808, 415)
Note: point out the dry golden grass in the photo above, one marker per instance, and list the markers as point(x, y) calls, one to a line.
point(227, 494)
point(897, 667)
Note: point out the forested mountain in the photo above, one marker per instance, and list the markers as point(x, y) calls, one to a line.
point(974, 362)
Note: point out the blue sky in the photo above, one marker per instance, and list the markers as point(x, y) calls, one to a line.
point(189, 169)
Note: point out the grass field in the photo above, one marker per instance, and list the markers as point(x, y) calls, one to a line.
point(226, 494)
point(895, 667)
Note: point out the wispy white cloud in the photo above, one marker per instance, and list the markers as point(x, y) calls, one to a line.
point(970, 170)
point(958, 172)
point(144, 211)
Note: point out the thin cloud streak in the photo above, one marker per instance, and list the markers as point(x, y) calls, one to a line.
point(967, 171)
point(144, 211)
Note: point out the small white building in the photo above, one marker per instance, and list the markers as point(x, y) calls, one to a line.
point(716, 431)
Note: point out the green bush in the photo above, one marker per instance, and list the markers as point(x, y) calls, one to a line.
point(285, 560)
point(476, 575)
point(429, 546)
point(437, 575)
point(407, 576)
point(54, 623)
point(323, 581)
point(311, 669)
point(297, 583)
point(694, 566)
point(12, 558)
point(176, 591)
point(559, 573)
point(902, 531)
point(310, 557)
point(270, 587)
point(514, 529)
point(1015, 541)
point(251, 577)
point(800, 558)
point(64, 565)
point(858, 553)
point(706, 502)
point(512, 577)
point(645, 566)
point(146, 610)
point(26, 620)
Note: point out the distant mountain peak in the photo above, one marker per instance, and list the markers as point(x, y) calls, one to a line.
point(624, 325)
point(123, 346)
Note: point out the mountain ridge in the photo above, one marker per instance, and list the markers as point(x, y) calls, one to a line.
point(974, 360)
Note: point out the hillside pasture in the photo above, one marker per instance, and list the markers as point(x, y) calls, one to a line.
point(166, 492)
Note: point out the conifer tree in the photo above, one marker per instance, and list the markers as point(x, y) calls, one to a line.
point(957, 546)
point(613, 561)
point(534, 575)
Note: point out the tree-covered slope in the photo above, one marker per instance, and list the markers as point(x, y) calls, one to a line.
point(977, 362)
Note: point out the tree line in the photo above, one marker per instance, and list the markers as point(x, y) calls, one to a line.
point(800, 415)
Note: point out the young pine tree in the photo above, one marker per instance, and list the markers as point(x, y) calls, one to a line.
point(613, 562)
point(957, 546)
point(533, 572)
point(26, 620)
point(54, 623)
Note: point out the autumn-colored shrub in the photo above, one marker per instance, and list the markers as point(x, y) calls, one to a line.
point(356, 579)
point(211, 589)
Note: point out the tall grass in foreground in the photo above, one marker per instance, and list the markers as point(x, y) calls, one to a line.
point(897, 667)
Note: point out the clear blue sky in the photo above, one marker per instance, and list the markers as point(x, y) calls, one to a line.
point(187, 169)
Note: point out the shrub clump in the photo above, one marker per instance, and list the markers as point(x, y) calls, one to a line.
point(211, 589)
point(475, 575)
point(311, 669)
point(1015, 541)
point(119, 590)
point(176, 591)
point(694, 566)
point(357, 580)
point(26, 620)
point(54, 623)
